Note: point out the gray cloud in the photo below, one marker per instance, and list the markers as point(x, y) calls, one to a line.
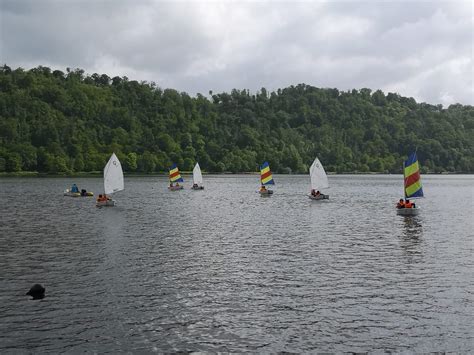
point(420, 49)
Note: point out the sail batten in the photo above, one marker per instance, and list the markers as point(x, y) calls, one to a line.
point(113, 175)
point(197, 175)
point(266, 176)
point(412, 178)
point(319, 179)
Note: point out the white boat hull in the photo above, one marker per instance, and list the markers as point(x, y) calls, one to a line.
point(108, 203)
point(319, 197)
point(408, 211)
point(266, 193)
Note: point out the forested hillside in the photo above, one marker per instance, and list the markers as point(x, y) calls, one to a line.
point(57, 122)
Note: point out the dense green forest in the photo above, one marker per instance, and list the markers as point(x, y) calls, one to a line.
point(61, 123)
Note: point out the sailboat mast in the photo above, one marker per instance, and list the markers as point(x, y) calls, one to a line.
point(404, 190)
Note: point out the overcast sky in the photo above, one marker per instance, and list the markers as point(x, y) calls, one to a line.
point(420, 49)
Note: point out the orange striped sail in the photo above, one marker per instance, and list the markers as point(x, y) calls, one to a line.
point(175, 176)
point(266, 177)
point(411, 173)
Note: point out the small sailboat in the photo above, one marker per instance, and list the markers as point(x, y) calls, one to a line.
point(175, 177)
point(412, 187)
point(83, 193)
point(74, 192)
point(319, 180)
point(197, 178)
point(113, 181)
point(266, 178)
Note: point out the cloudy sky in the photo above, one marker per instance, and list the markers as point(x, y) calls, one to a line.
point(420, 49)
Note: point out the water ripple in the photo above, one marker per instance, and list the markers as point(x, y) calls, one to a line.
point(223, 270)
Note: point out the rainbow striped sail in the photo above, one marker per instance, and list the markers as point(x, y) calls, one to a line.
point(266, 177)
point(411, 173)
point(175, 176)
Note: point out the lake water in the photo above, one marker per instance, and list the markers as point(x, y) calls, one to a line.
point(226, 270)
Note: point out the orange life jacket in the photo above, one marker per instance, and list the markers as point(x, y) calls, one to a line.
point(408, 204)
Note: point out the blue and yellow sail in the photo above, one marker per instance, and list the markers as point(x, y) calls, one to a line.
point(411, 173)
point(266, 177)
point(175, 176)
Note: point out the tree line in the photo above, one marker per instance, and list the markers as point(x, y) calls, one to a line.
point(65, 122)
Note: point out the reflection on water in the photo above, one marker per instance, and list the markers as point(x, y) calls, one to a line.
point(223, 270)
point(411, 235)
point(412, 227)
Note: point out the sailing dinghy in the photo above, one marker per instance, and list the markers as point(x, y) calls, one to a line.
point(319, 180)
point(74, 192)
point(266, 178)
point(83, 193)
point(113, 181)
point(197, 178)
point(412, 187)
point(175, 177)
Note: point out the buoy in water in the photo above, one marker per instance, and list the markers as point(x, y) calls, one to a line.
point(37, 292)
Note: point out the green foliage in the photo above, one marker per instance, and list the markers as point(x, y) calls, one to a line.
point(13, 162)
point(60, 123)
point(147, 162)
point(130, 163)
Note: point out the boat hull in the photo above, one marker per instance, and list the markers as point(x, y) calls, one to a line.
point(78, 194)
point(319, 197)
point(175, 188)
point(108, 203)
point(197, 188)
point(408, 211)
point(266, 193)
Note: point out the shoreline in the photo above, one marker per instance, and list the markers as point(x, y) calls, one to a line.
point(36, 174)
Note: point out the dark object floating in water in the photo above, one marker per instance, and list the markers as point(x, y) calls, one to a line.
point(37, 292)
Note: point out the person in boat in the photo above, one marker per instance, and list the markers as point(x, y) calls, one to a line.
point(74, 188)
point(263, 188)
point(171, 184)
point(195, 186)
point(102, 198)
point(401, 203)
point(409, 204)
point(83, 192)
point(315, 193)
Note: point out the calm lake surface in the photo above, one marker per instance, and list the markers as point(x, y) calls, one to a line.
point(226, 270)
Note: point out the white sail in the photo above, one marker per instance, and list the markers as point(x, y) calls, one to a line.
point(197, 176)
point(113, 175)
point(319, 179)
